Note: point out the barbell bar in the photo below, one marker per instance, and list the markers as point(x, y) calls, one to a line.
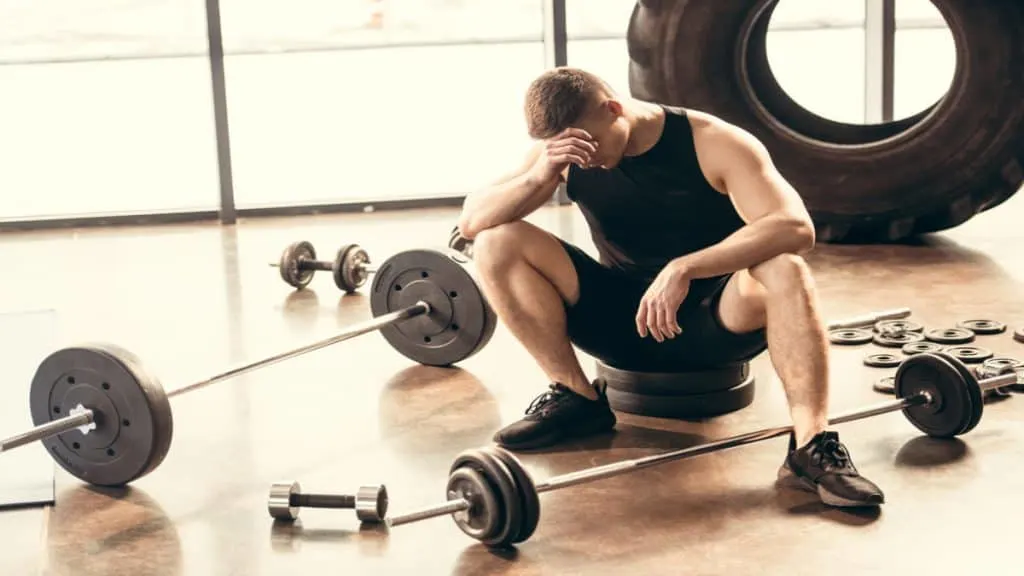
point(493, 499)
point(107, 421)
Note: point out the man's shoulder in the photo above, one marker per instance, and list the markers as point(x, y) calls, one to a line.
point(723, 148)
point(716, 134)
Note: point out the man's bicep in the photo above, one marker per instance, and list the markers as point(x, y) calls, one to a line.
point(756, 187)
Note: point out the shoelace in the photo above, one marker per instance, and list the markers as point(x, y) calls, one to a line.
point(834, 453)
point(554, 394)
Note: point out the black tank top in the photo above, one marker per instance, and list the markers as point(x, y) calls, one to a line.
point(654, 207)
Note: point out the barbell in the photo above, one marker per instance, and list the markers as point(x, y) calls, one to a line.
point(493, 499)
point(107, 420)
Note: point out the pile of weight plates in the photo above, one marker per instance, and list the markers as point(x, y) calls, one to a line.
point(904, 338)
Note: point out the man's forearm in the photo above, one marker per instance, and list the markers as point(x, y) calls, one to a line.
point(511, 200)
point(749, 246)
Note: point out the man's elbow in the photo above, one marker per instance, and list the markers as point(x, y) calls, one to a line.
point(796, 231)
point(803, 234)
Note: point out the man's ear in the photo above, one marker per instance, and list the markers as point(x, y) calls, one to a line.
point(613, 106)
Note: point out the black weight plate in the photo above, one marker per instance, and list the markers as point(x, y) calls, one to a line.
point(506, 493)
point(684, 406)
point(461, 321)
point(882, 360)
point(133, 422)
point(998, 364)
point(982, 326)
point(484, 519)
point(527, 488)
point(849, 336)
point(950, 410)
point(289, 264)
point(349, 274)
point(970, 381)
point(1018, 334)
point(949, 335)
point(968, 354)
point(994, 365)
point(673, 383)
point(921, 348)
point(885, 385)
point(897, 326)
point(896, 340)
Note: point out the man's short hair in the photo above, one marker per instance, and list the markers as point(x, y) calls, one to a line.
point(558, 98)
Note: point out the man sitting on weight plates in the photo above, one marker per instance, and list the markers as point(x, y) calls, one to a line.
point(699, 239)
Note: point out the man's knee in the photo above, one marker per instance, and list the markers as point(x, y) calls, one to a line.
point(497, 248)
point(783, 273)
point(500, 250)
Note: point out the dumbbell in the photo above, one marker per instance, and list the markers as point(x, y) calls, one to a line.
point(460, 243)
point(286, 498)
point(350, 267)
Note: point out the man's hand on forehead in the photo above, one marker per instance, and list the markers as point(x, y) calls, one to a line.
point(570, 146)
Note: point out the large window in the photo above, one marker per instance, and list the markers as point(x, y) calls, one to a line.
point(107, 107)
point(90, 123)
point(377, 99)
point(925, 57)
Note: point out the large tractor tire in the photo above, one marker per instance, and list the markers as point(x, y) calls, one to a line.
point(861, 183)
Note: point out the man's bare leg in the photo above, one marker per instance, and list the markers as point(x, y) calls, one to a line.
point(528, 278)
point(781, 294)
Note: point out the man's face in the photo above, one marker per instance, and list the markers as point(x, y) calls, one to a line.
point(610, 130)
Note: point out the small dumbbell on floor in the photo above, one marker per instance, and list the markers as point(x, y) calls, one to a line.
point(350, 268)
point(459, 243)
point(287, 498)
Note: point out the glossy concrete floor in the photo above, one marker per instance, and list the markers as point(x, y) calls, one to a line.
point(193, 299)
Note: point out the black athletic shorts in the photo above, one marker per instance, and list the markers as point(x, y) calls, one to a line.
point(603, 323)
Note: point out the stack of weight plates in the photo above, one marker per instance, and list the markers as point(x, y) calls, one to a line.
point(680, 395)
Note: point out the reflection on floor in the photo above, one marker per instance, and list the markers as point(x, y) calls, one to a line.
point(193, 299)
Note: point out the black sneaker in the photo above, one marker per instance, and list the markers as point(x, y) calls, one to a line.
point(556, 415)
point(824, 466)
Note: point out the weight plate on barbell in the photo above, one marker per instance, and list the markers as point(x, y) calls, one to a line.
point(896, 340)
point(460, 322)
point(897, 326)
point(950, 409)
point(883, 360)
point(504, 489)
point(968, 354)
point(885, 385)
point(849, 336)
point(921, 348)
point(970, 382)
point(949, 335)
point(484, 518)
point(982, 326)
point(527, 490)
point(132, 427)
point(1018, 334)
point(349, 274)
point(289, 264)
